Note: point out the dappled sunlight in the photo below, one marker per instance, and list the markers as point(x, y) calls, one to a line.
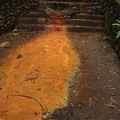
point(36, 76)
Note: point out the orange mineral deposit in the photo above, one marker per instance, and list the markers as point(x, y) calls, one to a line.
point(35, 77)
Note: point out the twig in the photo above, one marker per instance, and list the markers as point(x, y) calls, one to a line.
point(31, 78)
point(33, 99)
point(63, 83)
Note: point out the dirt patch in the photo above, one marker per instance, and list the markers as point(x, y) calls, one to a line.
point(35, 76)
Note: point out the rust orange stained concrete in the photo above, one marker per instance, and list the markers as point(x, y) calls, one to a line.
point(41, 75)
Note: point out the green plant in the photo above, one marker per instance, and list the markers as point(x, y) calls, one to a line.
point(118, 25)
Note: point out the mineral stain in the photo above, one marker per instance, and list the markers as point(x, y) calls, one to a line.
point(35, 77)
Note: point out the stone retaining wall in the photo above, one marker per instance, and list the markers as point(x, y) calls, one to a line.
point(10, 10)
point(111, 9)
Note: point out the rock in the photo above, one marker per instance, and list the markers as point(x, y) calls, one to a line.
point(5, 44)
point(14, 34)
point(15, 30)
point(112, 94)
point(19, 56)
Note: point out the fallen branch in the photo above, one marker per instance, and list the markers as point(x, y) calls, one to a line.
point(63, 83)
point(33, 99)
point(29, 79)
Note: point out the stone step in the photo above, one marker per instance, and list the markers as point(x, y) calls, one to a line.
point(87, 20)
point(33, 20)
point(29, 27)
point(34, 27)
point(66, 5)
point(83, 15)
point(80, 22)
point(89, 17)
point(85, 29)
point(84, 22)
point(69, 2)
point(35, 14)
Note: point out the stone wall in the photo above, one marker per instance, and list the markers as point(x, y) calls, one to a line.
point(10, 10)
point(111, 9)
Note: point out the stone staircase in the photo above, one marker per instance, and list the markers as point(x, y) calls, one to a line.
point(79, 17)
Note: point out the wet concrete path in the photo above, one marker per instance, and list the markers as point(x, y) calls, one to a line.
point(64, 76)
point(95, 93)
